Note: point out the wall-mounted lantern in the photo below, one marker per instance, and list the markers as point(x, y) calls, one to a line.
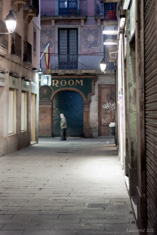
point(10, 22)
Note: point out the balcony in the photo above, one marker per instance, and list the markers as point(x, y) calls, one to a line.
point(99, 9)
point(16, 44)
point(64, 9)
point(80, 63)
point(110, 11)
point(27, 57)
point(31, 9)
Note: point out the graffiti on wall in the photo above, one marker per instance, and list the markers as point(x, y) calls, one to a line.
point(109, 108)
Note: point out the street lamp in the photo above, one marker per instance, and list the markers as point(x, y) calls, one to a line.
point(10, 22)
point(102, 65)
point(110, 32)
point(110, 43)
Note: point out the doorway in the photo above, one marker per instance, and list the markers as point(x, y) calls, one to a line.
point(70, 103)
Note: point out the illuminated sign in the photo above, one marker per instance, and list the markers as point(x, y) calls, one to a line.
point(70, 83)
point(45, 80)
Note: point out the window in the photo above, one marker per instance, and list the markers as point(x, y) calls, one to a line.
point(34, 40)
point(12, 112)
point(16, 44)
point(23, 111)
point(27, 57)
point(67, 6)
point(68, 49)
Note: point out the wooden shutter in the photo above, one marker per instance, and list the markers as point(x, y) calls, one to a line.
point(68, 48)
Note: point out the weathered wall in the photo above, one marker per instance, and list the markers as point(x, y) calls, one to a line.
point(12, 66)
point(102, 79)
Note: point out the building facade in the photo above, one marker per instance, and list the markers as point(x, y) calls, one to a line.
point(72, 83)
point(19, 58)
point(137, 107)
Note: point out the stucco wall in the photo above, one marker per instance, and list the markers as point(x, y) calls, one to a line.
point(102, 79)
point(12, 65)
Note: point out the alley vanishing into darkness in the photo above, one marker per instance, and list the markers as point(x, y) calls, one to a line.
point(64, 188)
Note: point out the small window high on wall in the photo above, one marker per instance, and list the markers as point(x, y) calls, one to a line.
point(66, 6)
point(34, 40)
point(23, 111)
point(12, 112)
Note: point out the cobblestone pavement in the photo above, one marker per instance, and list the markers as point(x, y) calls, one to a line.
point(64, 188)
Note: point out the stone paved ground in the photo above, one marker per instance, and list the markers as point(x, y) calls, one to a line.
point(64, 188)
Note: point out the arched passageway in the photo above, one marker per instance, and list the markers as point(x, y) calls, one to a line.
point(71, 104)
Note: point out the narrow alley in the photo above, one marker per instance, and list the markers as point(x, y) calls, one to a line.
point(64, 188)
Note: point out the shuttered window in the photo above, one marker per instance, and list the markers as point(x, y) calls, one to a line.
point(68, 49)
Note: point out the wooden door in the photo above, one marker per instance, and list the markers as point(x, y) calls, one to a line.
point(106, 108)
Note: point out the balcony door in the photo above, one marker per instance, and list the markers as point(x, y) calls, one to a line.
point(68, 49)
point(66, 7)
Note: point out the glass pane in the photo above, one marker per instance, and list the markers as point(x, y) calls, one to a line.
point(63, 42)
point(73, 42)
point(63, 4)
point(73, 4)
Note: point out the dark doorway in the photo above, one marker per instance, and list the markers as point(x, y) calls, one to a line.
point(71, 104)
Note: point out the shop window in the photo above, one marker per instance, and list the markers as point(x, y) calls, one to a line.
point(12, 112)
point(23, 111)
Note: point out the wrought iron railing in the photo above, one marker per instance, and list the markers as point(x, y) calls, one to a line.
point(57, 8)
point(70, 61)
point(79, 62)
point(99, 7)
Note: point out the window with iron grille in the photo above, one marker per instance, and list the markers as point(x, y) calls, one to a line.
point(3, 38)
point(27, 52)
point(34, 40)
point(16, 44)
point(67, 7)
point(68, 49)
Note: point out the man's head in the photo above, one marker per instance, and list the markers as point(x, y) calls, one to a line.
point(61, 115)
